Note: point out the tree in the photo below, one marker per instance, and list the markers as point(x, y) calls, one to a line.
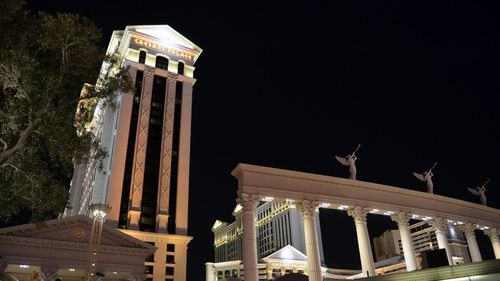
point(44, 62)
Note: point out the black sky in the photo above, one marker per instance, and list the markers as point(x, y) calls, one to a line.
point(290, 86)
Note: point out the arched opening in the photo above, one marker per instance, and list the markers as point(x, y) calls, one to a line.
point(161, 62)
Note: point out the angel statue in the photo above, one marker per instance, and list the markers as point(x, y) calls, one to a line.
point(479, 191)
point(350, 160)
point(427, 177)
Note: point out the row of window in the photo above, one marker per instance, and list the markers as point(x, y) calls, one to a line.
point(161, 62)
point(169, 270)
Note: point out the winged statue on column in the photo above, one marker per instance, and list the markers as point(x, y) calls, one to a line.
point(350, 160)
point(427, 177)
point(479, 191)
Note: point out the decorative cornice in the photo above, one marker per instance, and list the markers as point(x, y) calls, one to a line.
point(64, 246)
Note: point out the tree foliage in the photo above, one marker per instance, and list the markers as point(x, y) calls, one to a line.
point(44, 62)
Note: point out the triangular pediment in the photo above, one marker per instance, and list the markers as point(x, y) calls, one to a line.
point(74, 229)
point(163, 37)
point(287, 253)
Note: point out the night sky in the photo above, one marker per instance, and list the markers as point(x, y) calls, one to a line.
point(292, 86)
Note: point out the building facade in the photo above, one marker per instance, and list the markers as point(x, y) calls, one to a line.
point(423, 237)
point(145, 177)
point(280, 233)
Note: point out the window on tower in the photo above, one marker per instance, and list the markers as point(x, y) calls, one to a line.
point(142, 57)
point(161, 62)
point(180, 68)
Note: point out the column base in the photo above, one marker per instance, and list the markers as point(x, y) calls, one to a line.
point(133, 219)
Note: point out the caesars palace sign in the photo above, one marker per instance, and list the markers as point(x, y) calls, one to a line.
point(159, 47)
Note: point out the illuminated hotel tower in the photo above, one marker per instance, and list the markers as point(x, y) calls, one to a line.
point(145, 178)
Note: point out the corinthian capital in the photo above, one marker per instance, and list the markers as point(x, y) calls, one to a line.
point(439, 224)
point(492, 233)
point(248, 201)
point(358, 213)
point(401, 218)
point(307, 208)
point(467, 228)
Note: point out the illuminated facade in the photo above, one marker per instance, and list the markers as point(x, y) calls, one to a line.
point(145, 178)
point(423, 237)
point(280, 233)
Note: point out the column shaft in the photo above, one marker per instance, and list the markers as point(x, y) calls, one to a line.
point(440, 227)
point(475, 254)
point(365, 250)
point(250, 269)
point(308, 210)
point(404, 231)
point(493, 234)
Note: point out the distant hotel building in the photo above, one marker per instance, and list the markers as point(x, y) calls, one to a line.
point(280, 236)
point(424, 238)
point(145, 178)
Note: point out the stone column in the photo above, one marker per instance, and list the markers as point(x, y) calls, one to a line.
point(308, 209)
point(493, 234)
point(210, 272)
point(440, 226)
point(249, 203)
point(141, 142)
point(404, 230)
point(365, 250)
point(468, 230)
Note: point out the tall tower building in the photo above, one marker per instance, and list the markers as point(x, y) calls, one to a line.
point(145, 177)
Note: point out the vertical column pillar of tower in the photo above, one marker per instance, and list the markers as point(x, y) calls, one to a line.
point(182, 199)
point(308, 209)
point(249, 203)
point(166, 158)
point(440, 226)
point(120, 152)
point(404, 230)
point(134, 213)
point(495, 242)
point(365, 250)
point(470, 236)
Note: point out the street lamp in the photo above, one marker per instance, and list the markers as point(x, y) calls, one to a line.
point(99, 212)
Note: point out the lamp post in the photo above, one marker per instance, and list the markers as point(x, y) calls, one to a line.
point(99, 211)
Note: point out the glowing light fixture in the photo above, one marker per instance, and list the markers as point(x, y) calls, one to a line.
point(374, 211)
point(268, 199)
point(343, 207)
point(71, 269)
point(24, 266)
point(289, 201)
point(324, 205)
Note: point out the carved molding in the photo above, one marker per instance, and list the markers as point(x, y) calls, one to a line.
point(65, 246)
point(141, 140)
point(166, 154)
point(248, 201)
point(402, 219)
point(358, 213)
point(307, 208)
